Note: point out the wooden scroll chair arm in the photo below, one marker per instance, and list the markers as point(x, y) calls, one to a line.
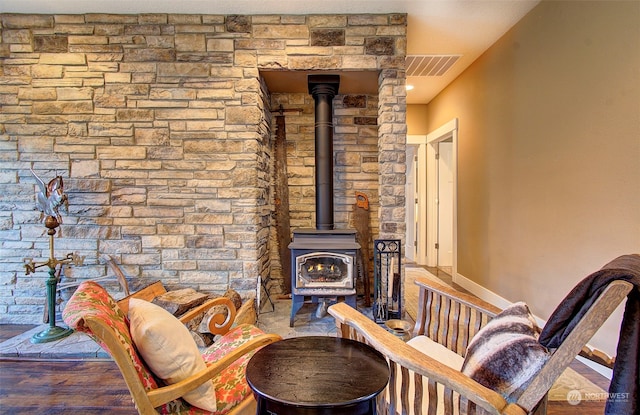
point(352, 324)
point(219, 324)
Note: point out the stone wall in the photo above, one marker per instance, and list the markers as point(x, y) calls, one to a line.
point(355, 145)
point(161, 128)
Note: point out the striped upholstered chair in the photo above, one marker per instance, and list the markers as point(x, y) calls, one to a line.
point(433, 373)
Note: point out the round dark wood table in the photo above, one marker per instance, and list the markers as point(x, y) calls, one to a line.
point(317, 375)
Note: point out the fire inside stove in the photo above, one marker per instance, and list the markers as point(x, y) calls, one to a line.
point(324, 270)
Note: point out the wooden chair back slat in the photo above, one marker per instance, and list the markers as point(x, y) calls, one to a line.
point(417, 404)
point(391, 388)
point(404, 397)
point(447, 319)
point(432, 310)
point(448, 399)
point(446, 315)
point(424, 302)
point(432, 388)
point(466, 324)
point(455, 328)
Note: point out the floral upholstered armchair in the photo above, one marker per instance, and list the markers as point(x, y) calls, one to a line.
point(163, 368)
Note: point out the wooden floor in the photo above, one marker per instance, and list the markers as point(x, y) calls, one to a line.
point(46, 387)
point(96, 387)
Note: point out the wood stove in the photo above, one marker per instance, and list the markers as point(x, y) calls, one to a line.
point(323, 264)
point(323, 260)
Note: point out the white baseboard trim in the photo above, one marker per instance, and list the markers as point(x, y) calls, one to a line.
point(604, 371)
point(501, 302)
point(481, 292)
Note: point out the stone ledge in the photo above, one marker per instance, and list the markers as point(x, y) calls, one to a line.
point(76, 346)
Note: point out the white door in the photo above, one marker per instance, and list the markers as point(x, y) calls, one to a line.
point(445, 203)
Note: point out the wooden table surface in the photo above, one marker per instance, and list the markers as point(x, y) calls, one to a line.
point(317, 372)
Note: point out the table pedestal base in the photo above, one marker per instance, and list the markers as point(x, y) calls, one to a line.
point(266, 407)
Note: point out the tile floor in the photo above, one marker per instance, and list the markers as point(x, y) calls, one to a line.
point(306, 321)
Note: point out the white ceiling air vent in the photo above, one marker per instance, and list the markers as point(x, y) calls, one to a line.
point(430, 65)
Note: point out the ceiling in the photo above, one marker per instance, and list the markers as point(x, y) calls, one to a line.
point(452, 28)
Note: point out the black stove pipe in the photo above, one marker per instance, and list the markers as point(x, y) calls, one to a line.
point(323, 88)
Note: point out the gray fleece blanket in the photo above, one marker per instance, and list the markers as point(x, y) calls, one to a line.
point(623, 391)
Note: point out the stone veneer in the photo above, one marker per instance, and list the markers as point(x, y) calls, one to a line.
point(161, 126)
point(355, 146)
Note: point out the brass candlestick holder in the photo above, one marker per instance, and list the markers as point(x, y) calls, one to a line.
point(52, 332)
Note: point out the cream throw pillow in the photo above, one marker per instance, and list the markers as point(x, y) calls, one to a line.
point(437, 351)
point(167, 347)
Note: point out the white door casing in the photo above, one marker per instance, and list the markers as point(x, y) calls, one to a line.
point(418, 206)
point(411, 202)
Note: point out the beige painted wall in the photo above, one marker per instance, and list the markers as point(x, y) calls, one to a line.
point(549, 152)
point(417, 119)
